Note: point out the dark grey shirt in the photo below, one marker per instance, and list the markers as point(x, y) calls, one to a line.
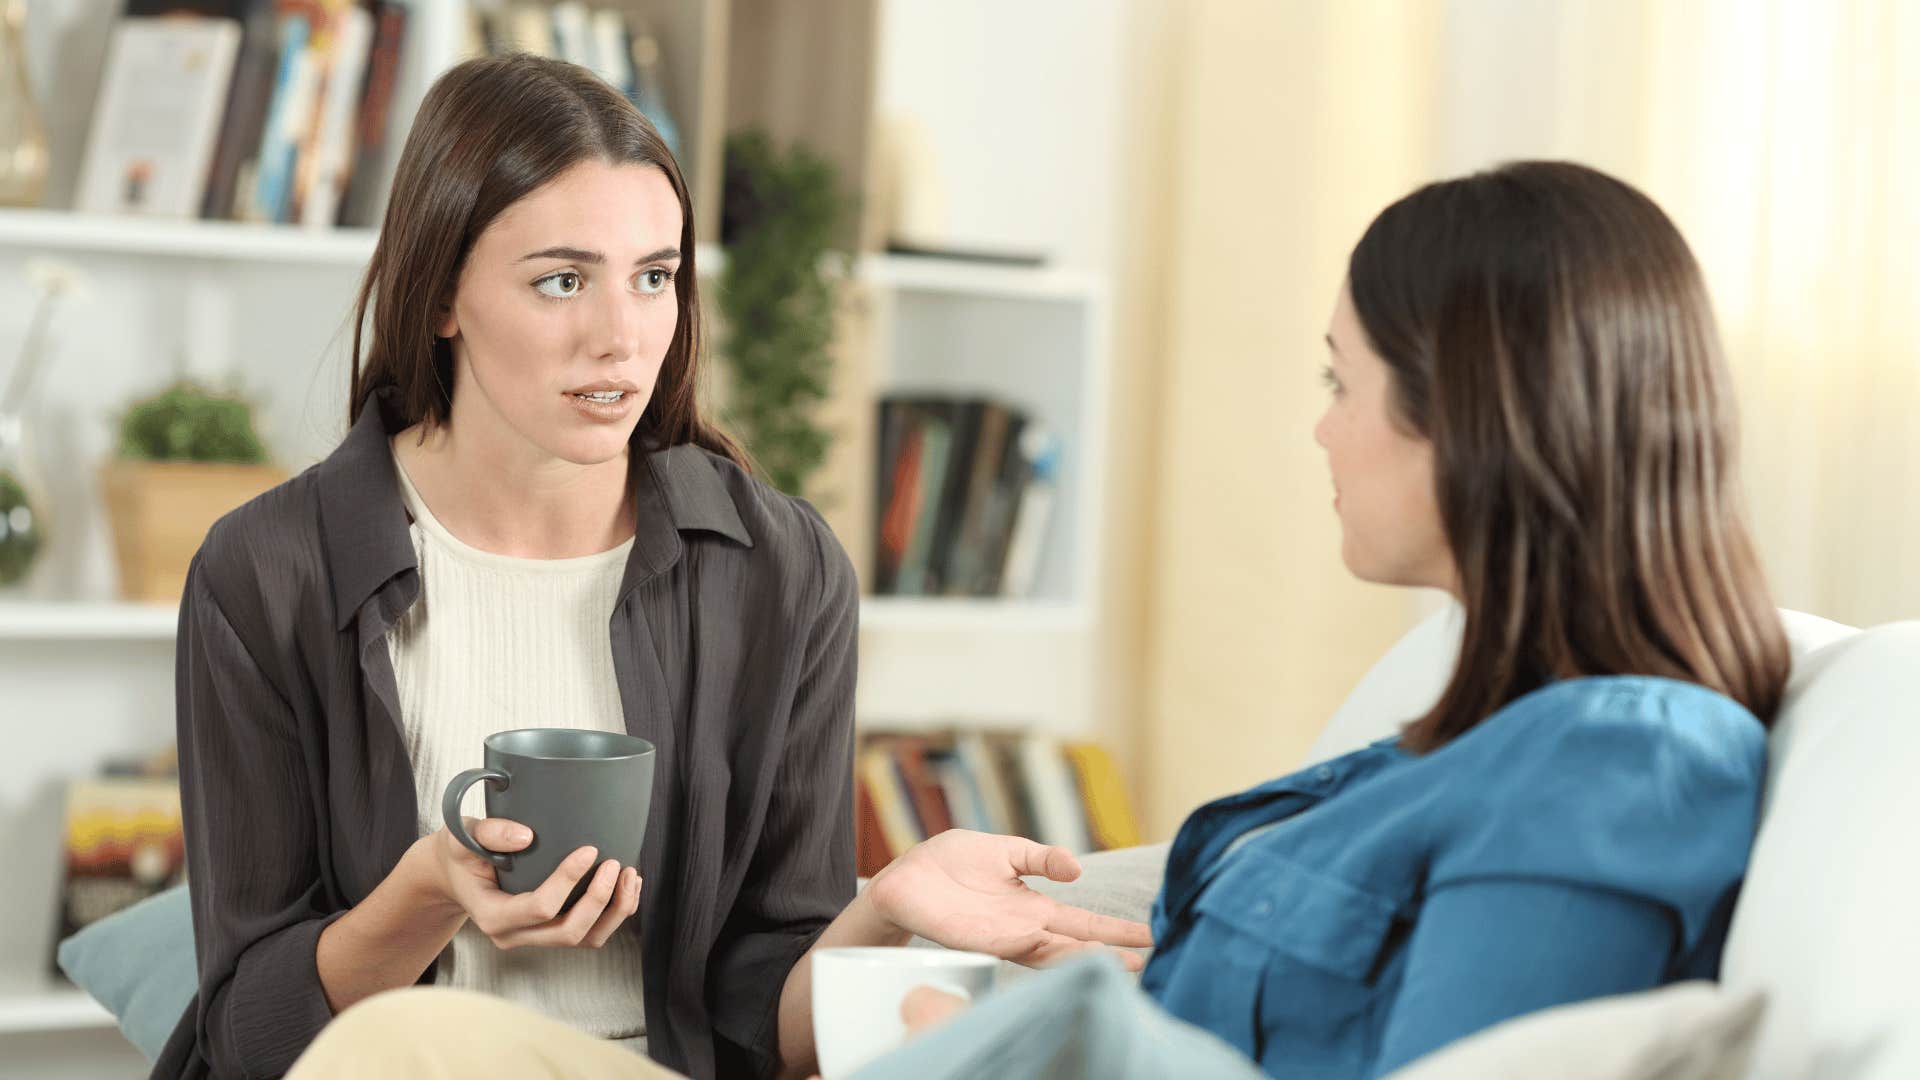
point(734, 641)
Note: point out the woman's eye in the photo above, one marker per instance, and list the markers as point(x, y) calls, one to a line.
point(655, 280)
point(566, 275)
point(1330, 379)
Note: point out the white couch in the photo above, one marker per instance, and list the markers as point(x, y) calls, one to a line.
point(1829, 920)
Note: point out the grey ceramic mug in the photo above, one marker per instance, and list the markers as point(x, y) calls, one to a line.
point(572, 787)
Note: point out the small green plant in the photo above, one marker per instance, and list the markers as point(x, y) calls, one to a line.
point(188, 422)
point(781, 214)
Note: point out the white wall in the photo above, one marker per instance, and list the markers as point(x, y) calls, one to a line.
point(1020, 105)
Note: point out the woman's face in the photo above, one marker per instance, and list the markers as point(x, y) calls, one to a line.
point(1382, 477)
point(567, 293)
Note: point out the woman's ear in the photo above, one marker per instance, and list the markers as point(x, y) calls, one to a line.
point(449, 326)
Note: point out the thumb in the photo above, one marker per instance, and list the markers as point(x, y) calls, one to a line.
point(925, 1006)
point(499, 834)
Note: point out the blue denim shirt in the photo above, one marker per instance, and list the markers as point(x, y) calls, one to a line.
point(1587, 839)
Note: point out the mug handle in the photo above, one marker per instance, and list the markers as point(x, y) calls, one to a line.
point(450, 811)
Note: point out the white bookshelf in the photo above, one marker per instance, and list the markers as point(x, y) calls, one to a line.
point(31, 1001)
point(84, 676)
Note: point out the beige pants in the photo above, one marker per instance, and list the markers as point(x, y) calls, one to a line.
point(422, 1033)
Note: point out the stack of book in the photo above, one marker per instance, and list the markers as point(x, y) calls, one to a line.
point(123, 842)
point(910, 787)
point(247, 110)
point(965, 488)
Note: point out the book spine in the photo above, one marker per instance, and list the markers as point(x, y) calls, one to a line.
point(361, 203)
point(1035, 510)
point(248, 94)
point(334, 137)
point(276, 144)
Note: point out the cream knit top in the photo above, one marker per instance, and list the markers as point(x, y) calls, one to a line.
point(492, 643)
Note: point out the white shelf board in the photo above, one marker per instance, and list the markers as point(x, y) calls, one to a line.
point(32, 1001)
point(65, 230)
point(103, 621)
point(920, 273)
point(156, 622)
point(116, 234)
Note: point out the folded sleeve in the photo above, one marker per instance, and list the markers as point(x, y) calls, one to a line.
point(252, 856)
point(1644, 788)
point(802, 873)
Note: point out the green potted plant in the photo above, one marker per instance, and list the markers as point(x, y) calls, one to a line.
point(187, 455)
point(780, 214)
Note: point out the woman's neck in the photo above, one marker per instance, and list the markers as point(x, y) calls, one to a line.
point(524, 505)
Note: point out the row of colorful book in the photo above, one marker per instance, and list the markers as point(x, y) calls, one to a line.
point(911, 787)
point(245, 110)
point(614, 45)
point(965, 490)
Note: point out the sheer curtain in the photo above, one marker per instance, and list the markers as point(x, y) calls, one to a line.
point(1784, 138)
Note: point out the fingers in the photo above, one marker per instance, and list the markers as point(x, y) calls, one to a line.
point(1030, 858)
point(1083, 924)
point(626, 901)
point(571, 929)
point(499, 834)
point(1058, 949)
point(925, 1006)
point(543, 903)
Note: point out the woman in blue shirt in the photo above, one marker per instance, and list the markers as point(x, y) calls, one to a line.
point(1529, 409)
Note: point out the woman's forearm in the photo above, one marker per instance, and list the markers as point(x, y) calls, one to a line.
point(858, 925)
point(389, 938)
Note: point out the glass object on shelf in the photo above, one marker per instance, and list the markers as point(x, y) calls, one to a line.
point(23, 522)
point(23, 143)
point(22, 529)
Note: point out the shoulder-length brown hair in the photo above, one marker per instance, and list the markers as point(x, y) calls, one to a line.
point(489, 132)
point(1549, 332)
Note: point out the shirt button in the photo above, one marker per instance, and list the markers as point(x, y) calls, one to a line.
point(1323, 773)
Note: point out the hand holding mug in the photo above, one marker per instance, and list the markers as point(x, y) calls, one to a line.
point(538, 917)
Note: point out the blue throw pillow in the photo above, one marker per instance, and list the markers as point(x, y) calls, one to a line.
point(139, 964)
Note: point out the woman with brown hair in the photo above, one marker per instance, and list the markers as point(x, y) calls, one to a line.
point(530, 524)
point(1529, 410)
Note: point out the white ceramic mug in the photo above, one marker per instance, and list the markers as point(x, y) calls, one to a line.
point(857, 995)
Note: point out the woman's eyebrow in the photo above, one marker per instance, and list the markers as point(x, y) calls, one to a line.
point(573, 254)
point(1335, 349)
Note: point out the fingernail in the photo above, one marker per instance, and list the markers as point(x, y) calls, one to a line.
point(520, 834)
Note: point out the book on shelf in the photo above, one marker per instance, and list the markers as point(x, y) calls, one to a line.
point(157, 115)
point(123, 842)
point(911, 787)
point(289, 121)
point(965, 489)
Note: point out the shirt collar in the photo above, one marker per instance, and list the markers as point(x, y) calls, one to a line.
point(363, 522)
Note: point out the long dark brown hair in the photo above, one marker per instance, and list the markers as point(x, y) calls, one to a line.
point(1549, 332)
point(489, 132)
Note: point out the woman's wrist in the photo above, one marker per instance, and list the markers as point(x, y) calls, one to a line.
point(866, 925)
point(420, 874)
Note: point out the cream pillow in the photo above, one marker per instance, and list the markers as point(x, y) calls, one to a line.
point(1685, 1031)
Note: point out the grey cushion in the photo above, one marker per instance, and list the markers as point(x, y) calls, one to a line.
point(1686, 1031)
point(139, 964)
